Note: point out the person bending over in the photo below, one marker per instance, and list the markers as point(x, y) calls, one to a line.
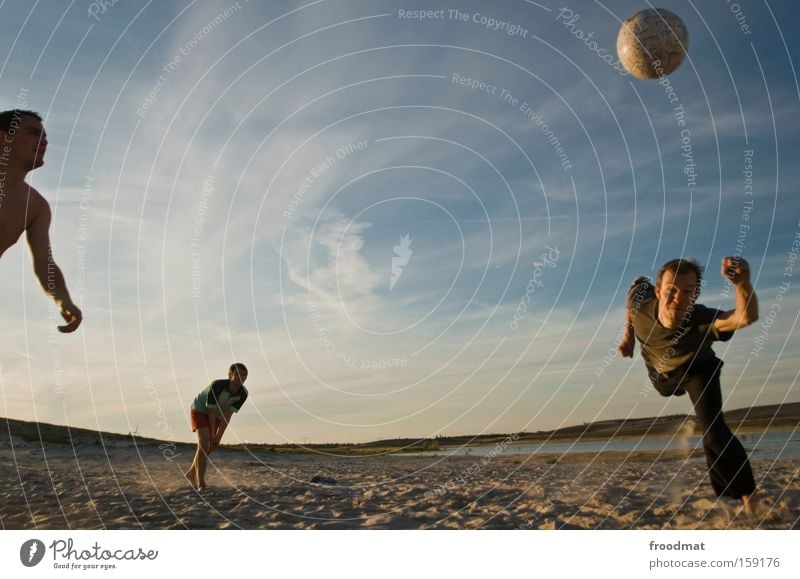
point(211, 412)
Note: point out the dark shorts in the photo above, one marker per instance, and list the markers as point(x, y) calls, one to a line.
point(199, 420)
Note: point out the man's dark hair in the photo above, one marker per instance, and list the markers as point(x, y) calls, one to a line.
point(680, 266)
point(13, 117)
point(238, 367)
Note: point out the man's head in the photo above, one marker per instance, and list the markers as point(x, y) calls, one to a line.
point(24, 133)
point(237, 373)
point(677, 288)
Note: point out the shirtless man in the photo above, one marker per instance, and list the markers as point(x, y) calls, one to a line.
point(23, 141)
point(676, 336)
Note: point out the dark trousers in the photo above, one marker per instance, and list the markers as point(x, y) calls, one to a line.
point(728, 466)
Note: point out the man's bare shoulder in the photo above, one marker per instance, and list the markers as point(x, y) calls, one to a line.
point(23, 209)
point(37, 207)
point(36, 199)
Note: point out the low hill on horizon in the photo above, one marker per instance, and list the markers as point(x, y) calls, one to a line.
point(774, 416)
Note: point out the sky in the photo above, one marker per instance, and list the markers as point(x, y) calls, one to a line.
point(404, 224)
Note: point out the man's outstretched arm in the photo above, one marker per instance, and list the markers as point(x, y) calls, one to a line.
point(737, 271)
point(47, 271)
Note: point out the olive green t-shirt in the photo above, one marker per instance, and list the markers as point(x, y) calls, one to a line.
point(665, 350)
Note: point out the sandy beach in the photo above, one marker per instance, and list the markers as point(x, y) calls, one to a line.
point(122, 486)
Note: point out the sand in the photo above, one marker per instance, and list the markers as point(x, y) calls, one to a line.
point(95, 486)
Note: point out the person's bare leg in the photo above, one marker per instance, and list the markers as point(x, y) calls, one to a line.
point(197, 471)
point(201, 459)
point(189, 474)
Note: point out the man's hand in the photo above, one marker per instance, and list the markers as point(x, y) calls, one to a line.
point(627, 343)
point(72, 315)
point(736, 270)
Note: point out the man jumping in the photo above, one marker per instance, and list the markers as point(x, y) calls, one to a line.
point(676, 335)
point(23, 142)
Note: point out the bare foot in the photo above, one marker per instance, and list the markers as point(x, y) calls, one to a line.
point(750, 506)
point(191, 477)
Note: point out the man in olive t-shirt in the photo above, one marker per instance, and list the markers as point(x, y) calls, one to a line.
point(676, 334)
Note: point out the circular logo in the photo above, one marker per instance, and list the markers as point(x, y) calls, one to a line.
point(31, 553)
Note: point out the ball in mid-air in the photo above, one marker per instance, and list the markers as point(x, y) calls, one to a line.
point(652, 42)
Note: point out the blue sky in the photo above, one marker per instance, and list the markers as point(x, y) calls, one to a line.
point(232, 181)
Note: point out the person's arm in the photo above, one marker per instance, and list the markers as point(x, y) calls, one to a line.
point(628, 341)
point(223, 424)
point(212, 428)
point(212, 405)
point(737, 271)
point(45, 268)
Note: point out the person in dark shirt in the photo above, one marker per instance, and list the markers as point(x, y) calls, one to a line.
point(676, 335)
point(211, 413)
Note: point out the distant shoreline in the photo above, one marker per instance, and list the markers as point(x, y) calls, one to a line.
point(773, 418)
point(745, 429)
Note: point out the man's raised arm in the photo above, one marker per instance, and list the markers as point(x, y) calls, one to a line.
point(737, 271)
